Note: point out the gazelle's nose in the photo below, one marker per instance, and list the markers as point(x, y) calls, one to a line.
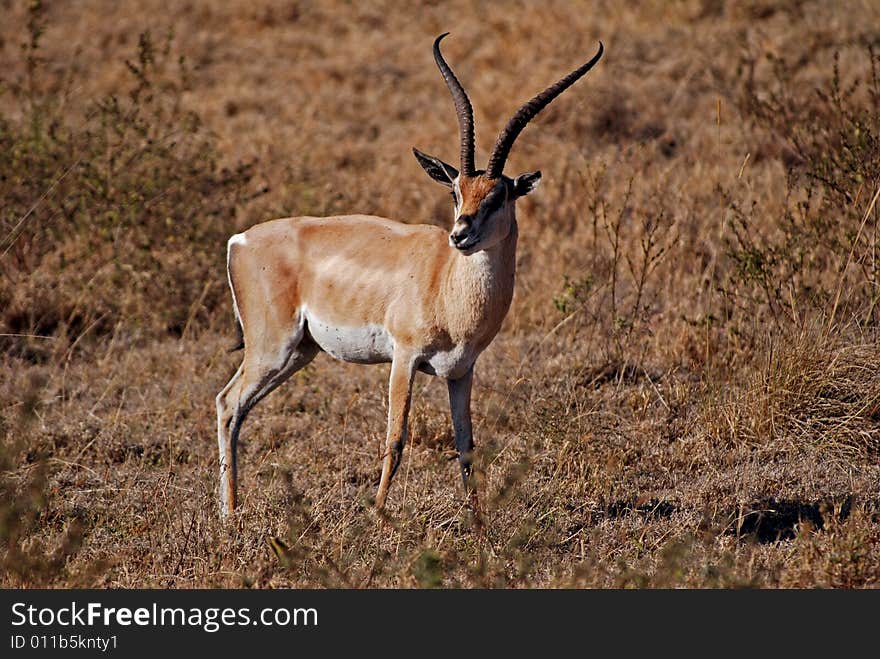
point(461, 230)
point(458, 236)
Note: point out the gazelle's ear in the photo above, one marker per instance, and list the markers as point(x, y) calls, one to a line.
point(525, 183)
point(437, 169)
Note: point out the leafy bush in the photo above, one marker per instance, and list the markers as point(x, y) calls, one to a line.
point(822, 262)
point(114, 217)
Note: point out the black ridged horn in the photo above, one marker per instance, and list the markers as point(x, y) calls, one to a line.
point(528, 111)
point(463, 110)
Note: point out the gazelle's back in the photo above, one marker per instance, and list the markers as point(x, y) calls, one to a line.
point(334, 273)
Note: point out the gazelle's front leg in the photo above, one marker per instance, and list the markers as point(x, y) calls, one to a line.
point(460, 406)
point(399, 393)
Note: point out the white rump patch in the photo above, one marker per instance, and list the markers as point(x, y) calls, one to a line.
point(238, 239)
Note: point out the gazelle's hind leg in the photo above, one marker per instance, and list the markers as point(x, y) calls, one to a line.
point(265, 366)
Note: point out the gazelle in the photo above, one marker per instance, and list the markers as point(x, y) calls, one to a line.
point(370, 290)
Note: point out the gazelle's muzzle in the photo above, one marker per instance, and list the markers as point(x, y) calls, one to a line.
point(462, 237)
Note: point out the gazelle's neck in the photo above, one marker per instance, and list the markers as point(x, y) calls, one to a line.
point(479, 288)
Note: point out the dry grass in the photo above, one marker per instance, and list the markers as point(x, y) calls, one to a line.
point(685, 392)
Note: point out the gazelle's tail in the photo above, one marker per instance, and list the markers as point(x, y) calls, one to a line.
point(240, 332)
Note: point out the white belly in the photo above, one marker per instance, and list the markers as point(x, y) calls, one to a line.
point(366, 344)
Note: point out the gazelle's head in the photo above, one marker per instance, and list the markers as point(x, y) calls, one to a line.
point(484, 199)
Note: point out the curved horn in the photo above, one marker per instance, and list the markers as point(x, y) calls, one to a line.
point(528, 111)
point(462, 108)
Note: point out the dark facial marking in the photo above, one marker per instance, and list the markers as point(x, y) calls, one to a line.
point(493, 201)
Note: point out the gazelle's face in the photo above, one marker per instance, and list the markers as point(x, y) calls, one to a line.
point(484, 207)
point(483, 213)
point(484, 199)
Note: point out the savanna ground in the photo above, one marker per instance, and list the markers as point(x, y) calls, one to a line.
point(685, 391)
